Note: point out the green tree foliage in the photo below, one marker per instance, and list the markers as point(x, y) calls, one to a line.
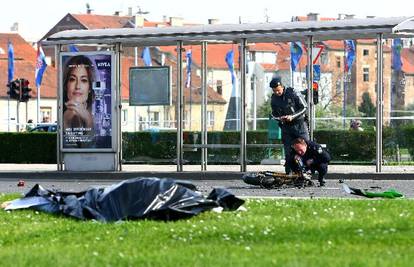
point(367, 107)
point(263, 112)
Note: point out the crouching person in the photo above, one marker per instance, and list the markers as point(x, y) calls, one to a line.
point(309, 156)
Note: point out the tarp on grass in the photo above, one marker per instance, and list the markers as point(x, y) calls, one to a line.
point(138, 198)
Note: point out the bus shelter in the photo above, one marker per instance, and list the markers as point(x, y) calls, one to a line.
point(109, 156)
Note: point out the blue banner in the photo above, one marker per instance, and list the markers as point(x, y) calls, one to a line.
point(230, 64)
point(10, 61)
point(295, 54)
point(146, 56)
point(396, 54)
point(189, 62)
point(73, 48)
point(40, 66)
point(350, 54)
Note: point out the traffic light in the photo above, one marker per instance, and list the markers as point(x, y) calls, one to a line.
point(14, 89)
point(315, 87)
point(25, 90)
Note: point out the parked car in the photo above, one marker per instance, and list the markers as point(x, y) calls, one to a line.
point(45, 127)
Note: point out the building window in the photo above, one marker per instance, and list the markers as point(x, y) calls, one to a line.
point(253, 56)
point(125, 115)
point(338, 62)
point(324, 58)
point(365, 52)
point(45, 114)
point(210, 118)
point(219, 86)
point(365, 73)
point(154, 118)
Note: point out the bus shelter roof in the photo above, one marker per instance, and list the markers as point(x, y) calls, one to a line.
point(394, 27)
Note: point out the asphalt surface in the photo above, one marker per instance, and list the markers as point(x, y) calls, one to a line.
point(400, 178)
point(333, 188)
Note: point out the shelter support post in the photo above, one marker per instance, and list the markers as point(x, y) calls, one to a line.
point(311, 106)
point(243, 50)
point(204, 105)
point(118, 51)
point(58, 49)
point(179, 106)
point(380, 101)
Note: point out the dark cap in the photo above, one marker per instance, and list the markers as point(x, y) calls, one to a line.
point(275, 82)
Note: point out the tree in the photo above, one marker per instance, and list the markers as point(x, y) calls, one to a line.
point(367, 107)
point(263, 112)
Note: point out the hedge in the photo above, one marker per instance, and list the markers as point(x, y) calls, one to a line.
point(28, 147)
point(160, 147)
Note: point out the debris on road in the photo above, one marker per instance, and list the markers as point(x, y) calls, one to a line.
point(362, 192)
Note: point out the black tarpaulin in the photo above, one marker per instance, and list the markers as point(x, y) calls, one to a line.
point(138, 198)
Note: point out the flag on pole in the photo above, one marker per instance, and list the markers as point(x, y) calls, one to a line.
point(10, 61)
point(233, 110)
point(146, 56)
point(295, 54)
point(73, 48)
point(230, 64)
point(189, 57)
point(396, 54)
point(350, 54)
point(40, 66)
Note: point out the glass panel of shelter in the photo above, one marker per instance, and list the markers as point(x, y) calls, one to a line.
point(222, 115)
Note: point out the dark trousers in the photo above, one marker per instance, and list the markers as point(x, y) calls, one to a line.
point(321, 168)
point(290, 133)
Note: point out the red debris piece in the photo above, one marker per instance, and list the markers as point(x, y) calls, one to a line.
point(20, 183)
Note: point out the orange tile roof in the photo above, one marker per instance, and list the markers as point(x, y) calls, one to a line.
point(92, 21)
point(216, 54)
point(269, 67)
point(305, 18)
point(263, 47)
point(334, 44)
point(24, 66)
point(407, 58)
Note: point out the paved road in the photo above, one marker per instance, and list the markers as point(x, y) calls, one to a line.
point(400, 178)
point(333, 188)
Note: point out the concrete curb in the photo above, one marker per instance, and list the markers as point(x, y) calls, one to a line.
point(188, 175)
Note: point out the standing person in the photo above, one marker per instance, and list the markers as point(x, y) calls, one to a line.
point(29, 125)
point(77, 101)
point(309, 156)
point(289, 108)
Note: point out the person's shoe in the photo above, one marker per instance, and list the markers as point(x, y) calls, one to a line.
point(321, 181)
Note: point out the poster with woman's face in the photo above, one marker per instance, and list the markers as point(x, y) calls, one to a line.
point(86, 100)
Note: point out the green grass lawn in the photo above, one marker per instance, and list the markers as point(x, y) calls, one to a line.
point(318, 232)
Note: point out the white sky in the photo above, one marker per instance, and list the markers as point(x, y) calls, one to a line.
point(35, 18)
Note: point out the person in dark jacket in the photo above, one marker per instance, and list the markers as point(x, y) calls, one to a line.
point(309, 156)
point(289, 108)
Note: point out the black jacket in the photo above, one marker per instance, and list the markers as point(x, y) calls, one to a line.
point(290, 103)
point(315, 152)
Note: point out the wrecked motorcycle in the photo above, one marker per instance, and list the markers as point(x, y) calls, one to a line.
point(272, 180)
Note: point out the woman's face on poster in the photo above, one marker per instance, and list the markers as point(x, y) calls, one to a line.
point(78, 84)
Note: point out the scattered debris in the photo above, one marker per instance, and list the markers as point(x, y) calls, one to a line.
point(362, 192)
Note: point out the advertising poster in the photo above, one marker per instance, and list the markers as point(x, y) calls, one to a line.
point(86, 99)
